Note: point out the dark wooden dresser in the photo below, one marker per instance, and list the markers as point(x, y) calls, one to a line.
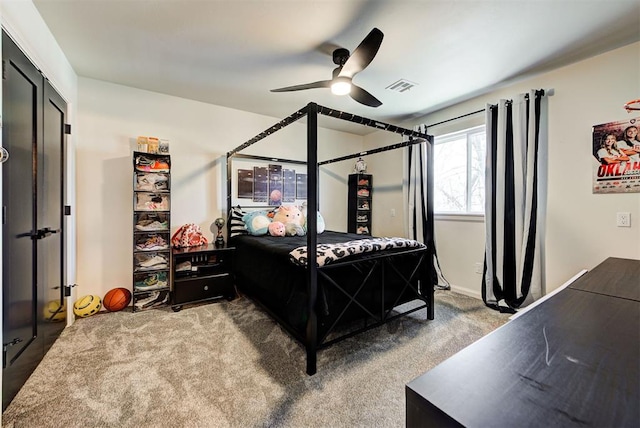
point(571, 361)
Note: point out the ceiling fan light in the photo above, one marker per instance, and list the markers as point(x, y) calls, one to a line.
point(341, 87)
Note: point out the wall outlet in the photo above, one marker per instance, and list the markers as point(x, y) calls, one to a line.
point(623, 219)
point(479, 268)
point(393, 212)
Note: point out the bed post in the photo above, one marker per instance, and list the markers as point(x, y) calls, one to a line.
point(430, 273)
point(228, 196)
point(312, 238)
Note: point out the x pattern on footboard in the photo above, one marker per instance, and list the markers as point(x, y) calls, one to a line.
point(380, 266)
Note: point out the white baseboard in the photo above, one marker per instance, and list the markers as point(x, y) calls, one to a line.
point(466, 291)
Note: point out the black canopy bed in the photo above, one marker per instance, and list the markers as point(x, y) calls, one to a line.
point(357, 283)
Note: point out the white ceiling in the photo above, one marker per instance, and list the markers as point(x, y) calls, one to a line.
point(232, 52)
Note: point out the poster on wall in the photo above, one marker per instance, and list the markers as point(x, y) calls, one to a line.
point(275, 184)
point(257, 183)
point(245, 183)
point(301, 186)
point(288, 185)
point(260, 183)
point(616, 152)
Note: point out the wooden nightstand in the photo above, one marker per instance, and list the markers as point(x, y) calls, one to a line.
point(201, 273)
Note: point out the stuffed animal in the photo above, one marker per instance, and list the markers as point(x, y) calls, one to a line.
point(320, 222)
point(292, 218)
point(276, 228)
point(292, 229)
point(256, 222)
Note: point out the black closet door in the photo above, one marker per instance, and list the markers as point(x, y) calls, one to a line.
point(21, 106)
point(32, 210)
point(50, 216)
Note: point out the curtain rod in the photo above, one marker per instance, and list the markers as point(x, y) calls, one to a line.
point(539, 92)
point(456, 118)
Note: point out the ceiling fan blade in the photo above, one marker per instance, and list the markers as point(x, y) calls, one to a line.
point(318, 84)
point(363, 54)
point(364, 97)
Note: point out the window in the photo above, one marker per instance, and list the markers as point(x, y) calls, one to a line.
point(459, 160)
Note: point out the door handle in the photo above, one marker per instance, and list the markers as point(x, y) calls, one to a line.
point(5, 347)
point(13, 342)
point(40, 233)
point(44, 232)
point(4, 155)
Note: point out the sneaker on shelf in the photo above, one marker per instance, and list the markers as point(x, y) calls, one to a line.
point(153, 262)
point(147, 301)
point(152, 282)
point(151, 225)
point(145, 186)
point(149, 283)
point(161, 300)
point(362, 230)
point(145, 285)
point(160, 166)
point(363, 193)
point(143, 163)
point(153, 166)
point(155, 203)
point(156, 298)
point(157, 243)
point(154, 267)
point(153, 177)
point(162, 280)
point(361, 217)
point(184, 266)
point(364, 206)
point(153, 243)
point(160, 185)
point(363, 182)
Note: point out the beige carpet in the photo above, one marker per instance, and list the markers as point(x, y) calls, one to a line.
point(227, 364)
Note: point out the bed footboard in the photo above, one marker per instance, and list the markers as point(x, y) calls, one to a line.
point(367, 298)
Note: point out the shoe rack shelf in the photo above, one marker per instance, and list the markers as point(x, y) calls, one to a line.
point(359, 204)
point(151, 230)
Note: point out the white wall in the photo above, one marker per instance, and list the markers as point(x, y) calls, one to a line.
point(581, 226)
point(112, 116)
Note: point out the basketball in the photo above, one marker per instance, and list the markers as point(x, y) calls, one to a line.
point(87, 306)
point(54, 312)
point(116, 299)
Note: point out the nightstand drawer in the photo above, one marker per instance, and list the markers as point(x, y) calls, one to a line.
point(204, 287)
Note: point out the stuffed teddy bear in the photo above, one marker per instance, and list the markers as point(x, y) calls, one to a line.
point(276, 228)
point(292, 218)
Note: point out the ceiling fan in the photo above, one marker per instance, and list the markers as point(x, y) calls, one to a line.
point(348, 66)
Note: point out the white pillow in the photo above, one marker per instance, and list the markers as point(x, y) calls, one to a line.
point(320, 224)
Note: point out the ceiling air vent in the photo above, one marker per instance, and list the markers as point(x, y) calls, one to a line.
point(401, 85)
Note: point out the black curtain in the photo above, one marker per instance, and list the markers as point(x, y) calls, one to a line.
point(515, 205)
point(416, 187)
